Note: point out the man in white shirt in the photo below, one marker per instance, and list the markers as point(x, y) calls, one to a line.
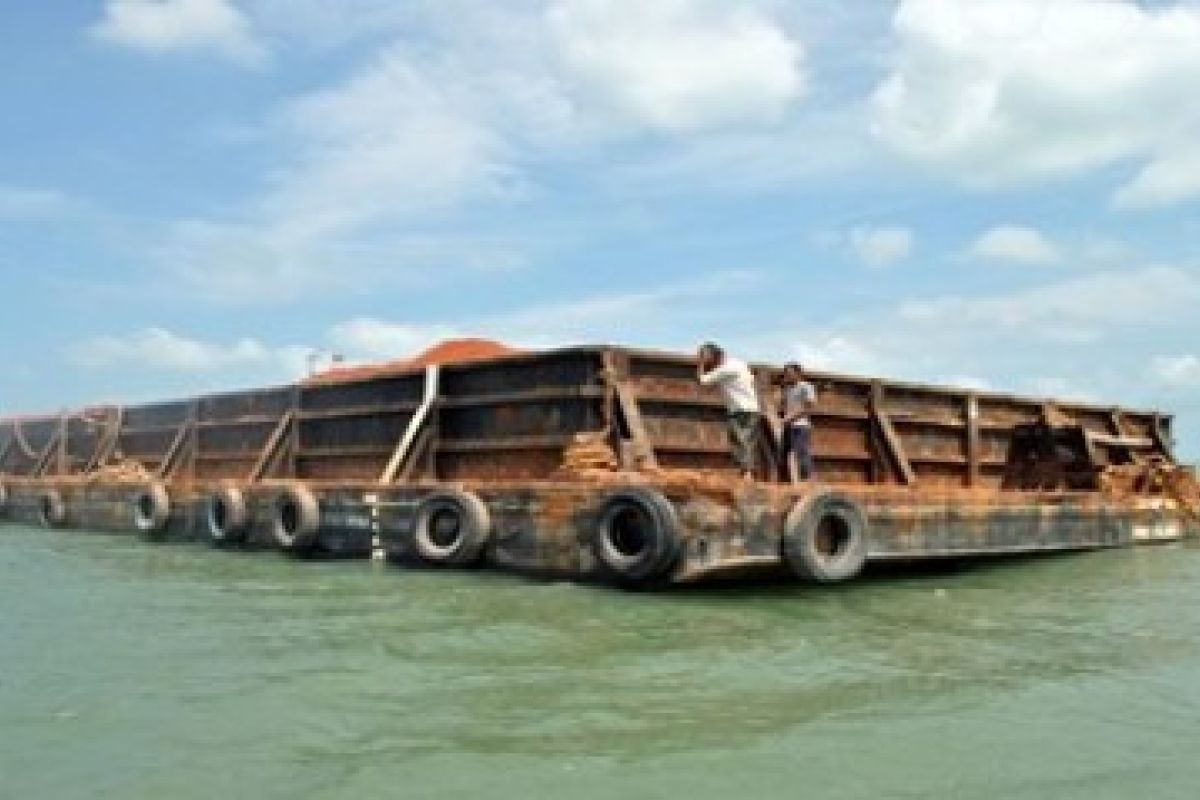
point(733, 377)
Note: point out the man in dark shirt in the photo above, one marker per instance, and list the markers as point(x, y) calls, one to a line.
point(799, 399)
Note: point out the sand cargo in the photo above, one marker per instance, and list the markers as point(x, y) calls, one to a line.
point(600, 463)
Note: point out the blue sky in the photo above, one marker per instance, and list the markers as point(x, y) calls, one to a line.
point(195, 194)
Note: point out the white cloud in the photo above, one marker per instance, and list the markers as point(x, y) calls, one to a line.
point(1089, 332)
point(1014, 243)
point(1024, 90)
point(371, 161)
point(834, 351)
point(158, 348)
point(168, 26)
point(679, 308)
point(463, 107)
point(1057, 387)
point(1172, 177)
point(680, 65)
point(676, 314)
point(1182, 371)
point(882, 246)
point(1080, 310)
point(380, 340)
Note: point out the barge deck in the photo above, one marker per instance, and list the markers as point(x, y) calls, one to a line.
point(602, 463)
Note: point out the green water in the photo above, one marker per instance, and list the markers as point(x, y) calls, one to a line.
point(129, 670)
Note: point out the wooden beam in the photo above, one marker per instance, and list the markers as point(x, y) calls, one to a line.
point(891, 440)
point(416, 426)
point(272, 448)
point(616, 370)
point(974, 440)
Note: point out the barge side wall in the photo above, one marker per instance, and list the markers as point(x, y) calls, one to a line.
point(513, 418)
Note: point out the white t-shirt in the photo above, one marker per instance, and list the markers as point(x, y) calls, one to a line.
point(736, 383)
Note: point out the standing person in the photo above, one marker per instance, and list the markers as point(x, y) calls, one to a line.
point(799, 399)
point(733, 377)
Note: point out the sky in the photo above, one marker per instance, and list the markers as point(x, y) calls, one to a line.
point(198, 195)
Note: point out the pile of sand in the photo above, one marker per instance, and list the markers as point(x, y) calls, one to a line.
point(124, 471)
point(589, 452)
point(452, 351)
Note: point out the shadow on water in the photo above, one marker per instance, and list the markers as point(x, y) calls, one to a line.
point(360, 662)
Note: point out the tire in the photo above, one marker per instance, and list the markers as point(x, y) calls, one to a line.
point(152, 509)
point(452, 528)
point(826, 538)
point(636, 537)
point(227, 516)
point(296, 519)
point(52, 511)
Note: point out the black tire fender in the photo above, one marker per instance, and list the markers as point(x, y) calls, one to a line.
point(151, 508)
point(52, 510)
point(296, 519)
point(227, 516)
point(452, 528)
point(826, 537)
point(636, 537)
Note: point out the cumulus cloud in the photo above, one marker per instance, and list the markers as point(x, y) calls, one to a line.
point(680, 65)
point(159, 348)
point(882, 246)
point(1181, 371)
point(372, 158)
point(373, 163)
point(1080, 310)
point(675, 313)
point(370, 338)
point(1025, 90)
point(168, 26)
point(1170, 178)
point(1014, 243)
point(1042, 340)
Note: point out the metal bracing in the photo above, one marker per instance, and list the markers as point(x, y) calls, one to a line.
point(416, 426)
point(893, 445)
point(43, 460)
point(974, 439)
point(106, 443)
point(170, 460)
point(271, 449)
point(616, 369)
point(774, 425)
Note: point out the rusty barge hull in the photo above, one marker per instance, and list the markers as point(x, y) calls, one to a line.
point(573, 462)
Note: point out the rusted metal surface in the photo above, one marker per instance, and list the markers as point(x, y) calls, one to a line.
point(867, 431)
point(940, 471)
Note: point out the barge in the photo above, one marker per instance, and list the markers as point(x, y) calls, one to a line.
point(602, 463)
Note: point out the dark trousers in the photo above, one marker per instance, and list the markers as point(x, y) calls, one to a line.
point(743, 439)
point(798, 440)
